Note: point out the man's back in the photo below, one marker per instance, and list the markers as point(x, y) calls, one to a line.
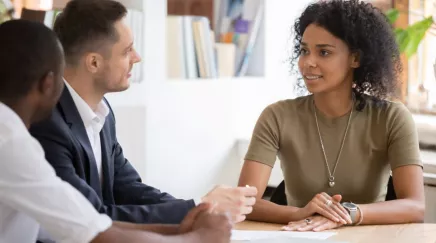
point(27, 181)
point(12, 221)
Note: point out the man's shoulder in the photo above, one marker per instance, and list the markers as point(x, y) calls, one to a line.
point(11, 125)
point(54, 128)
point(9, 133)
point(52, 123)
point(14, 139)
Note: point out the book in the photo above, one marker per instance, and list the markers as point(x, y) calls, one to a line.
point(192, 7)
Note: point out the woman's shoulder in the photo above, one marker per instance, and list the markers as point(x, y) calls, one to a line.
point(290, 105)
point(392, 113)
point(387, 108)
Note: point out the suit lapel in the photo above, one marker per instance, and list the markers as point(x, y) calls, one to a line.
point(77, 127)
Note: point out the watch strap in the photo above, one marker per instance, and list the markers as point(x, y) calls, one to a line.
point(353, 215)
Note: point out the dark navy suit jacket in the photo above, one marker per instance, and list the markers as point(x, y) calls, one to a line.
point(121, 195)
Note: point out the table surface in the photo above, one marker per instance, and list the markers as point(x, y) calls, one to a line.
point(410, 233)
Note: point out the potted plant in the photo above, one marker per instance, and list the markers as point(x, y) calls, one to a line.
point(409, 38)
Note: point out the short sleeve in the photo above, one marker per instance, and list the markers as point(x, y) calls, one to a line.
point(29, 185)
point(403, 143)
point(264, 143)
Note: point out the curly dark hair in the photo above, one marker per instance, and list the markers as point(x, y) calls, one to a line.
point(366, 30)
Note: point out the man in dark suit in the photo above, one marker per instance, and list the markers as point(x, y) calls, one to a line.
point(80, 139)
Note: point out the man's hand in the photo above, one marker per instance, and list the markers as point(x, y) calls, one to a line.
point(188, 222)
point(315, 223)
point(213, 227)
point(238, 202)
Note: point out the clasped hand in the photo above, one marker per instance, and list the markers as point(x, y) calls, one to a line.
point(323, 212)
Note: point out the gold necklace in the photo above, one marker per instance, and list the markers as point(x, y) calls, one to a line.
point(332, 175)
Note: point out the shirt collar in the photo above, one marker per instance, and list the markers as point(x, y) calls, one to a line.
point(85, 111)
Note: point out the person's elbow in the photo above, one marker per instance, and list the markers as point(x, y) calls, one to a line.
point(418, 211)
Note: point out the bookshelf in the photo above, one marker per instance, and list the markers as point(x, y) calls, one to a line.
point(226, 41)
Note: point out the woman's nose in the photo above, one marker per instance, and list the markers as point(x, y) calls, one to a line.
point(309, 62)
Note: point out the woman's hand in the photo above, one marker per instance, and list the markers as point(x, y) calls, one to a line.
point(327, 206)
point(315, 223)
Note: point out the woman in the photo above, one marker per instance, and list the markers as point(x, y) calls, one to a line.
point(338, 145)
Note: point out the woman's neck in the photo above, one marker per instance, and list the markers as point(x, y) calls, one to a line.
point(334, 104)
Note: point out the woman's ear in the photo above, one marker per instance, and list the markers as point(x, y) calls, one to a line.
point(355, 59)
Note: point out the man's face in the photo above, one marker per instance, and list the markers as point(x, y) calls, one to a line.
point(114, 74)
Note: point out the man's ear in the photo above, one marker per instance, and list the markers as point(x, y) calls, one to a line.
point(46, 85)
point(93, 62)
point(355, 59)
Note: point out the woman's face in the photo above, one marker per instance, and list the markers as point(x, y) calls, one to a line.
point(325, 61)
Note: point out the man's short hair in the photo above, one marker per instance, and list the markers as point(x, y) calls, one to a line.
point(87, 26)
point(28, 52)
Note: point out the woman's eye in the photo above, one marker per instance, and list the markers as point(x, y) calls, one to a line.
point(303, 51)
point(324, 53)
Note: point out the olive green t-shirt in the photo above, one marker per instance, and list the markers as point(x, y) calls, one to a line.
point(380, 138)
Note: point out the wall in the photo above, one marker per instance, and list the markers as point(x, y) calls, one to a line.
point(184, 132)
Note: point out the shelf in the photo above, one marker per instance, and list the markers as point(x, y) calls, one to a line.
point(238, 45)
point(247, 79)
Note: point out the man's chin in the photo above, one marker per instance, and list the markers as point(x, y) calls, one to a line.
point(120, 88)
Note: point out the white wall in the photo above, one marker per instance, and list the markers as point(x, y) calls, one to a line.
point(181, 135)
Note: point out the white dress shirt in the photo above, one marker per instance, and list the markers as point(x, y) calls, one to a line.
point(32, 195)
point(93, 122)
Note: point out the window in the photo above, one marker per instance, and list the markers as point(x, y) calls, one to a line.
point(421, 86)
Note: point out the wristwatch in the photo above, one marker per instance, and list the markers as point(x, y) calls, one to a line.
point(352, 210)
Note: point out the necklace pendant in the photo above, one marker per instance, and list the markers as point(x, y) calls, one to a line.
point(332, 181)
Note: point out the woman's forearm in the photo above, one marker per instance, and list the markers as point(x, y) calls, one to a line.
point(393, 212)
point(267, 211)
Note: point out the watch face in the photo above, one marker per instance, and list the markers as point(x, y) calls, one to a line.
point(349, 205)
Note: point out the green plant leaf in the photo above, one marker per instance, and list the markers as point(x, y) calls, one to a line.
point(392, 15)
point(413, 44)
point(402, 38)
point(416, 33)
point(422, 25)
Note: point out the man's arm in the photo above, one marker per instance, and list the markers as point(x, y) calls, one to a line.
point(121, 235)
point(165, 229)
point(29, 185)
point(199, 225)
point(27, 181)
point(128, 187)
point(57, 145)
